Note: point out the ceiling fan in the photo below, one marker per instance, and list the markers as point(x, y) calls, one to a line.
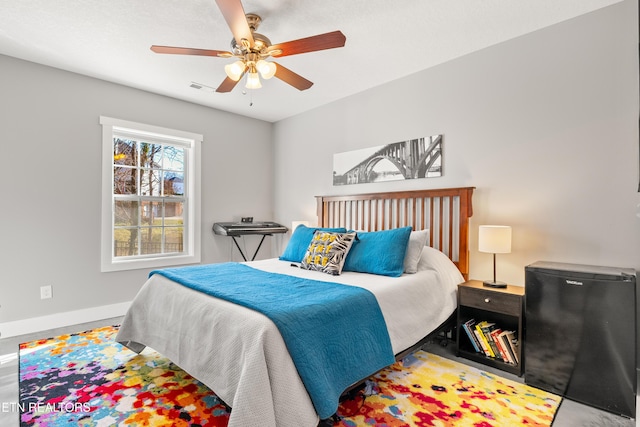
point(252, 49)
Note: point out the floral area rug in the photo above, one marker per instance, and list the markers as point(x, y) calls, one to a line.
point(87, 379)
point(429, 390)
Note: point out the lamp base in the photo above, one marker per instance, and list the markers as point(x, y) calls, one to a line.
point(491, 284)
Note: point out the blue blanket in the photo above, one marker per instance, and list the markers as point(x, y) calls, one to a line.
point(335, 333)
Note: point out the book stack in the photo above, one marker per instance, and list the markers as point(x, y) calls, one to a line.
point(489, 339)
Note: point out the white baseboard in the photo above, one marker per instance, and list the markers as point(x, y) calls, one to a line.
point(60, 320)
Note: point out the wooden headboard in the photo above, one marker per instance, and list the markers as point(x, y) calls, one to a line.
point(445, 212)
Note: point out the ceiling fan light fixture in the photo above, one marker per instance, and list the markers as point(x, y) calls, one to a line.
point(253, 81)
point(250, 49)
point(266, 69)
point(234, 71)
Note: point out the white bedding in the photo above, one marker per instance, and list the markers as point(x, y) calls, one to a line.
point(240, 354)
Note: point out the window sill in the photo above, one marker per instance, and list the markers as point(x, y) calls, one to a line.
point(147, 263)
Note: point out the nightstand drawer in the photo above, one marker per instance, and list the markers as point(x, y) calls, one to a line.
point(491, 300)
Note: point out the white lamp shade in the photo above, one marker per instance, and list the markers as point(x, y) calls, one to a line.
point(494, 239)
point(253, 81)
point(295, 224)
point(266, 69)
point(234, 71)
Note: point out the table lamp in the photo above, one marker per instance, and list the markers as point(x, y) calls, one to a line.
point(494, 239)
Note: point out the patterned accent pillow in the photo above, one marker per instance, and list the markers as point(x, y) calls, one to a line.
point(299, 242)
point(327, 251)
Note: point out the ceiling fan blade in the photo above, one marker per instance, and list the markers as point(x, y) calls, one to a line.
point(295, 80)
point(189, 51)
point(310, 44)
point(227, 85)
point(233, 13)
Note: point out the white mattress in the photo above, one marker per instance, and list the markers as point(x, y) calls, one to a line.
point(240, 354)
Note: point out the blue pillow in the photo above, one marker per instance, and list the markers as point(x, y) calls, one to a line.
point(300, 240)
point(379, 252)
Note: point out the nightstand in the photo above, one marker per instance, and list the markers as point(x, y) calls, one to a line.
point(482, 311)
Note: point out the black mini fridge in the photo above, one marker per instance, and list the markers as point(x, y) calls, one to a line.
point(580, 334)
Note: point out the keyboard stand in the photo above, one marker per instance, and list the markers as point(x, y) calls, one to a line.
point(257, 249)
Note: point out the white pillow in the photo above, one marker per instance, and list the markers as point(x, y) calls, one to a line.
point(417, 241)
point(433, 259)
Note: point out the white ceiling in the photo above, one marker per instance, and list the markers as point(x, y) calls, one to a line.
point(386, 40)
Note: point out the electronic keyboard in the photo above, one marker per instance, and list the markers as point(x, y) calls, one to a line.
point(236, 229)
point(242, 228)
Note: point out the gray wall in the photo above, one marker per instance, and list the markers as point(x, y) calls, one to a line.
point(545, 126)
point(51, 169)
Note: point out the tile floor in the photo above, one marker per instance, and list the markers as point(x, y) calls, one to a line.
point(570, 414)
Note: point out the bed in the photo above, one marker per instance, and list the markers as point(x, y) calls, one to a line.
point(241, 354)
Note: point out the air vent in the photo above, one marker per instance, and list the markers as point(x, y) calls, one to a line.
point(200, 86)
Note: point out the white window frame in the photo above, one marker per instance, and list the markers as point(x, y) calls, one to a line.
point(192, 227)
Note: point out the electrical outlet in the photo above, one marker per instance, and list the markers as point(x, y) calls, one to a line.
point(45, 292)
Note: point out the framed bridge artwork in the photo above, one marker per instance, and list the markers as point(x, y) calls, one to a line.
point(411, 159)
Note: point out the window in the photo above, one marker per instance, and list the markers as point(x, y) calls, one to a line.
point(150, 196)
